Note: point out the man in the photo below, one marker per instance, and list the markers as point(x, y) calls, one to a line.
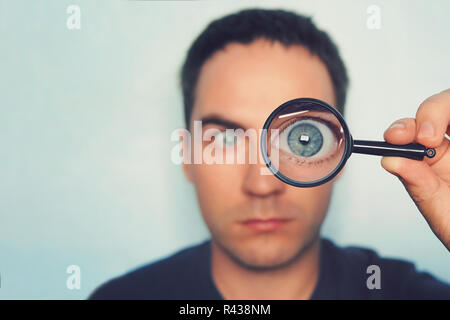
point(265, 235)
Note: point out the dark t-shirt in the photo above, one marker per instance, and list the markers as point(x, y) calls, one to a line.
point(343, 275)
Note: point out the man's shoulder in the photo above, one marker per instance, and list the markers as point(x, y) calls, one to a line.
point(362, 267)
point(159, 279)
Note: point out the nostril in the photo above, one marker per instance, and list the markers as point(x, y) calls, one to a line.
point(262, 185)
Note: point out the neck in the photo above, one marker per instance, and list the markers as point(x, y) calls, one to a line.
point(296, 280)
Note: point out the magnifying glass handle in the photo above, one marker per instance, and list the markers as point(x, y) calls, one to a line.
point(413, 151)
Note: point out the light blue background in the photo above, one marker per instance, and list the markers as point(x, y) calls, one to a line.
point(86, 118)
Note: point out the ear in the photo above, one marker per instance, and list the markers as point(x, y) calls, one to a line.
point(187, 169)
point(185, 140)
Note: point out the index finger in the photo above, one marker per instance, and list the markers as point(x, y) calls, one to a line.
point(433, 118)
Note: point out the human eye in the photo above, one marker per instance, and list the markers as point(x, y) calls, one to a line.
point(225, 138)
point(309, 140)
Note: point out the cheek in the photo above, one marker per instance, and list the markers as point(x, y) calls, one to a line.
point(315, 200)
point(218, 186)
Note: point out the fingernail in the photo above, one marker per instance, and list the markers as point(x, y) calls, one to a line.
point(426, 130)
point(398, 124)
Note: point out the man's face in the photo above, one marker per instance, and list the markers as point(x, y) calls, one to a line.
point(243, 84)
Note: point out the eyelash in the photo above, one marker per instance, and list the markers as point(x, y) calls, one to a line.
point(312, 162)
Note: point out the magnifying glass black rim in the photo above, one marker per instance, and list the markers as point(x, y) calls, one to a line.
point(332, 174)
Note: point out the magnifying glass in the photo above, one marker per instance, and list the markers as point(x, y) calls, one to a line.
point(305, 142)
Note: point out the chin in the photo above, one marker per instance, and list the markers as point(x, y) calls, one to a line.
point(265, 251)
point(265, 261)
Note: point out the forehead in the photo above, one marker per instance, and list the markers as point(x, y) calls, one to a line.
point(246, 82)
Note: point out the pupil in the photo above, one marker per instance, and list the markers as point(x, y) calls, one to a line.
point(305, 139)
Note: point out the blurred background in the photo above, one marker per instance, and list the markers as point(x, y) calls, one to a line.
point(86, 117)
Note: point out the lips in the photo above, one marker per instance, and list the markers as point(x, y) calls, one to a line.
point(265, 224)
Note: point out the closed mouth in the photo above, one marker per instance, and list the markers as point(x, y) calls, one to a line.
point(270, 224)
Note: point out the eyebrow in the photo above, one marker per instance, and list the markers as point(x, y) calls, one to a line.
point(218, 120)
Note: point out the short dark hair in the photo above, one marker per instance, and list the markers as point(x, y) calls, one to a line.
point(247, 25)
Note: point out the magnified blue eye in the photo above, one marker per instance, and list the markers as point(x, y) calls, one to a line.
point(308, 138)
point(305, 139)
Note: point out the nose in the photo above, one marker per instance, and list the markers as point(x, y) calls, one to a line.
point(257, 184)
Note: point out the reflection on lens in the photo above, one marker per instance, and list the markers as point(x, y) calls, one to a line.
point(306, 142)
point(305, 139)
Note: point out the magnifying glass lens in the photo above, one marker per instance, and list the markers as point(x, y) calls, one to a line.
point(305, 142)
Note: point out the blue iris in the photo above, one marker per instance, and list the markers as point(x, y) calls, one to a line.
point(305, 140)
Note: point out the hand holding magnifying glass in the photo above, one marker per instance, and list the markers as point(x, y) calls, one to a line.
point(306, 142)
